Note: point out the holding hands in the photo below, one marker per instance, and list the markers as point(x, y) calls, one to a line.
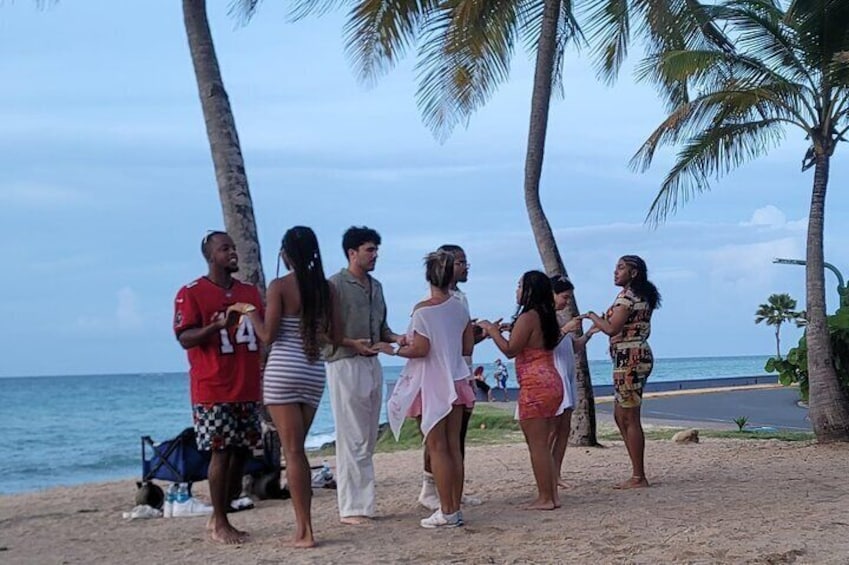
point(491, 328)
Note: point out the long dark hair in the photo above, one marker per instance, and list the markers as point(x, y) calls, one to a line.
point(538, 295)
point(640, 283)
point(304, 258)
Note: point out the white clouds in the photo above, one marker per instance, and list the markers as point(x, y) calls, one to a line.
point(750, 264)
point(770, 216)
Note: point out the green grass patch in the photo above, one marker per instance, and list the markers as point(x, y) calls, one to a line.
point(487, 426)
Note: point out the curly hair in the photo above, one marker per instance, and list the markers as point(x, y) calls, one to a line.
point(640, 284)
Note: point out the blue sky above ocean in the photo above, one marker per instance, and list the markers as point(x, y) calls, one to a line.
point(106, 187)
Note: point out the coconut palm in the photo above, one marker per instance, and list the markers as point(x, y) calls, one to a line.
point(230, 175)
point(465, 49)
point(788, 70)
point(779, 308)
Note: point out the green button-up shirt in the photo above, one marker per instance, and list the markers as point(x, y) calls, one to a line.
point(363, 312)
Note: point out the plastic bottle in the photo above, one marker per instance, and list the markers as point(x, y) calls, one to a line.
point(170, 498)
point(182, 494)
point(326, 473)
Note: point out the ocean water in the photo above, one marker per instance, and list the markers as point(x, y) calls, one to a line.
point(67, 430)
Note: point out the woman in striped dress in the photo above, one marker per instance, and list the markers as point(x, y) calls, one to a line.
point(302, 315)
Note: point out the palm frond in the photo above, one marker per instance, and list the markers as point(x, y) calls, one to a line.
point(664, 25)
point(300, 9)
point(464, 55)
point(378, 33)
point(709, 155)
point(609, 30)
point(822, 27)
point(243, 10)
point(569, 32)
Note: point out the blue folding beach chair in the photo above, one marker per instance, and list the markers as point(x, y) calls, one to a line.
point(178, 460)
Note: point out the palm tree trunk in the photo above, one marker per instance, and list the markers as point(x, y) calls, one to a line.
point(236, 202)
point(828, 408)
point(583, 419)
point(778, 341)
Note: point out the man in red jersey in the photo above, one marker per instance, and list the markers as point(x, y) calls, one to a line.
point(224, 359)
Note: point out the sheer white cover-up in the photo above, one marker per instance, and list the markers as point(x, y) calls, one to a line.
point(564, 362)
point(434, 374)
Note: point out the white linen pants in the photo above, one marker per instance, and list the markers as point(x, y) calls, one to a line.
point(356, 395)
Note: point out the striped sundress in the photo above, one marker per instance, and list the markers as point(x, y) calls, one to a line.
point(289, 376)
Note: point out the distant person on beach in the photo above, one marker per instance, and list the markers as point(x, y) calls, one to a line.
point(564, 362)
point(501, 374)
point(428, 497)
point(302, 316)
point(434, 386)
point(481, 384)
point(354, 374)
point(533, 337)
point(628, 323)
point(224, 359)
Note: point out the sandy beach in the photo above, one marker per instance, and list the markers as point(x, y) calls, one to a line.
point(720, 501)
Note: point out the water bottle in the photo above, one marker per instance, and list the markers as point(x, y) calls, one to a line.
point(170, 498)
point(326, 474)
point(182, 494)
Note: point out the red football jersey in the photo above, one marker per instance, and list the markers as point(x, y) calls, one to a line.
point(227, 367)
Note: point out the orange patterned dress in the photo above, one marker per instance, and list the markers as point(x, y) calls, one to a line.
point(540, 385)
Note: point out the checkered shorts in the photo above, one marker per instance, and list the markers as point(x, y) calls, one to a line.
point(236, 424)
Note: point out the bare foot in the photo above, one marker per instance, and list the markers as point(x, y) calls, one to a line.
point(355, 520)
point(228, 535)
point(563, 484)
point(301, 543)
point(633, 482)
point(210, 525)
point(541, 505)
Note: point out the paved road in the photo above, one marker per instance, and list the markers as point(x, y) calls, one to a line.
point(774, 407)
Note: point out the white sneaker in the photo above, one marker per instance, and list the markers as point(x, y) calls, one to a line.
point(429, 498)
point(470, 500)
point(191, 507)
point(440, 520)
point(243, 503)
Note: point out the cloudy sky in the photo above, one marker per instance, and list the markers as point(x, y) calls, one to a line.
point(107, 186)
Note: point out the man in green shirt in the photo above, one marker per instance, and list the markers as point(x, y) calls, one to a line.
point(354, 374)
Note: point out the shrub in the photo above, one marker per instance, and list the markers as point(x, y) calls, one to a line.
point(794, 368)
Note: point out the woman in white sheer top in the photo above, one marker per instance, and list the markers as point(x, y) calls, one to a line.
point(432, 387)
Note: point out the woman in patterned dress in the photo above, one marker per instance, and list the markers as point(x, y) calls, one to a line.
point(302, 315)
point(628, 323)
point(533, 337)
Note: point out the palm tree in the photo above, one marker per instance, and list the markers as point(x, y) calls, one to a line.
point(465, 48)
point(230, 175)
point(788, 68)
point(779, 308)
